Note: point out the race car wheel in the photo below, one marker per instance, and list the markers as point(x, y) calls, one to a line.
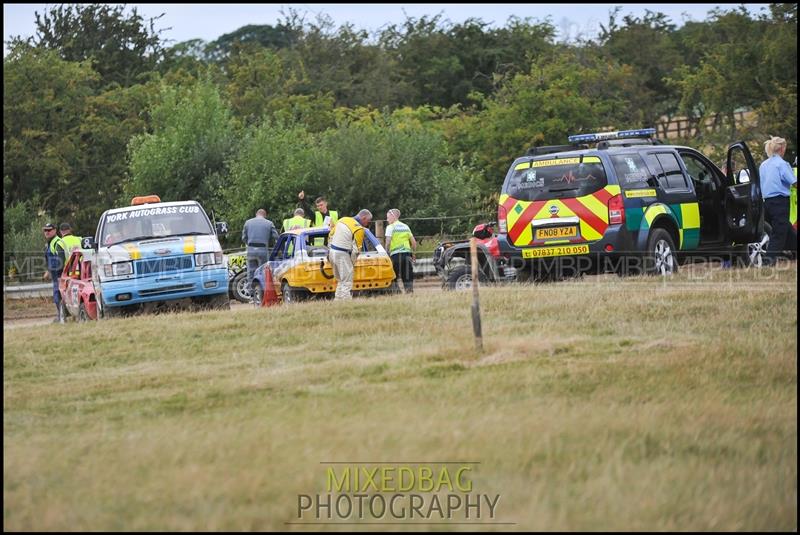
point(62, 311)
point(257, 294)
point(460, 278)
point(240, 289)
point(219, 302)
point(291, 295)
point(82, 315)
point(660, 258)
point(106, 312)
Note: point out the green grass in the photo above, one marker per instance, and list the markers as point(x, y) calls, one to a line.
point(600, 404)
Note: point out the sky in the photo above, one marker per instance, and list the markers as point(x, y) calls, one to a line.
point(182, 22)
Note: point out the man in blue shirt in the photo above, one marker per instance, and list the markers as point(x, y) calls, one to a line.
point(776, 179)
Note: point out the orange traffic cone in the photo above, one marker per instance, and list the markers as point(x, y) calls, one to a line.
point(270, 295)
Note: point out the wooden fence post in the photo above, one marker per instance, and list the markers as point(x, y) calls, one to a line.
point(476, 308)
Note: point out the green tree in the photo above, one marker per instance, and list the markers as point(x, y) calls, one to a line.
point(274, 162)
point(122, 47)
point(648, 45)
point(567, 92)
point(184, 156)
point(261, 87)
point(383, 165)
point(341, 62)
point(45, 101)
point(258, 35)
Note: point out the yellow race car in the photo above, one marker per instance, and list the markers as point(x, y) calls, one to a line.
point(299, 267)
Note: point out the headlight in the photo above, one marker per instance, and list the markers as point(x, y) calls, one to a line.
point(118, 269)
point(208, 259)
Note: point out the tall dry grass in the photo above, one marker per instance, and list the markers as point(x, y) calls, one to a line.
point(599, 404)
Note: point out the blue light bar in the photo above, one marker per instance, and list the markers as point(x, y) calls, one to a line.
point(620, 134)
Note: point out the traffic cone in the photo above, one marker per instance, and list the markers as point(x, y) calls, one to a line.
point(270, 295)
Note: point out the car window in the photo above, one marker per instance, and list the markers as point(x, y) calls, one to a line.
point(573, 176)
point(667, 170)
point(700, 173)
point(279, 252)
point(316, 245)
point(672, 171)
point(632, 172)
point(369, 245)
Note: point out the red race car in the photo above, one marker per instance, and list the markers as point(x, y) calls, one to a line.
point(77, 289)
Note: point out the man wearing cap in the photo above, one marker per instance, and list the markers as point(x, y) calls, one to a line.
point(54, 258)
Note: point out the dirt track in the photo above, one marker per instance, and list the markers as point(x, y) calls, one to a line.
point(40, 312)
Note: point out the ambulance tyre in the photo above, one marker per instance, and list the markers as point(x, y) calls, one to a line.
point(661, 257)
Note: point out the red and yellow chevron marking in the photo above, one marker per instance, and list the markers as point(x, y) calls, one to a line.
point(591, 210)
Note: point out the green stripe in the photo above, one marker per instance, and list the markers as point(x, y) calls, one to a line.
point(691, 238)
point(633, 218)
point(676, 211)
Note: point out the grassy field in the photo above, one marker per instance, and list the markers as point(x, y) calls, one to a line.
point(599, 404)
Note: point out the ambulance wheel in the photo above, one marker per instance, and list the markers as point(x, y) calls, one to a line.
point(82, 315)
point(661, 257)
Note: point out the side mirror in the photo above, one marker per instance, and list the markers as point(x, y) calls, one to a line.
point(744, 176)
point(88, 243)
point(222, 227)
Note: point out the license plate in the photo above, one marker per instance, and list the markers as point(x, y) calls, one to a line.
point(550, 233)
point(564, 250)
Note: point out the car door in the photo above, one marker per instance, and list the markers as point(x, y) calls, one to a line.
point(742, 203)
point(373, 263)
point(282, 255)
point(71, 281)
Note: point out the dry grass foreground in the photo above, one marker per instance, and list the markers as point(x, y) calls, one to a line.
point(600, 404)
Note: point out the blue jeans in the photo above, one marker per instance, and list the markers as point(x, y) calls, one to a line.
point(56, 294)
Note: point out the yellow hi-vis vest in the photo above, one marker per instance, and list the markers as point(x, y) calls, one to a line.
point(295, 222)
point(71, 242)
point(401, 238)
point(319, 220)
point(352, 232)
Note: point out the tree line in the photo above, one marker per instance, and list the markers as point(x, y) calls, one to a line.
point(424, 115)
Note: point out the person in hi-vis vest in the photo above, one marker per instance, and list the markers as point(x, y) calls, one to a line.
point(298, 221)
point(401, 246)
point(323, 217)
